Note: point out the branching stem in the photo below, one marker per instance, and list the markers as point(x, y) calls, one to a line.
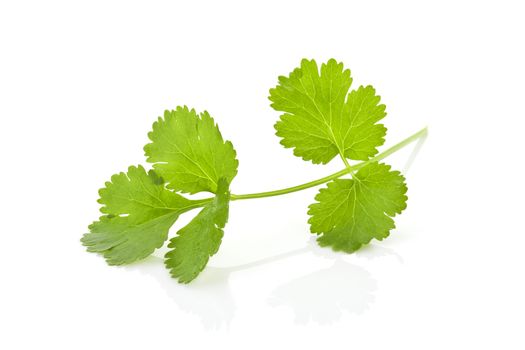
point(421, 133)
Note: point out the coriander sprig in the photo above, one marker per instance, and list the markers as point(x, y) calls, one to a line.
point(321, 119)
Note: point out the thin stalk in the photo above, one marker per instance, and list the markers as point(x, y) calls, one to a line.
point(294, 188)
point(350, 168)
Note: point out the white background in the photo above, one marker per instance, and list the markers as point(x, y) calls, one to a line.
point(82, 82)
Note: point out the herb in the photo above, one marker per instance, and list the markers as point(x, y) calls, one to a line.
point(321, 120)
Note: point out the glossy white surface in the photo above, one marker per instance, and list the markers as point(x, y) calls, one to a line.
point(81, 84)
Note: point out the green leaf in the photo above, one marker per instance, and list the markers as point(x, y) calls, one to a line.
point(121, 241)
point(350, 212)
point(188, 151)
point(139, 212)
point(322, 119)
point(200, 239)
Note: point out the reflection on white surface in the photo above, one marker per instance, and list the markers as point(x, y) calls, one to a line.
point(323, 295)
point(208, 297)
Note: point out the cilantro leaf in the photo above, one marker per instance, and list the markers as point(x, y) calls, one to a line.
point(188, 151)
point(200, 239)
point(121, 241)
point(350, 212)
point(322, 119)
point(139, 212)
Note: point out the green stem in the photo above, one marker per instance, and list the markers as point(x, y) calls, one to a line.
point(294, 188)
point(350, 168)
